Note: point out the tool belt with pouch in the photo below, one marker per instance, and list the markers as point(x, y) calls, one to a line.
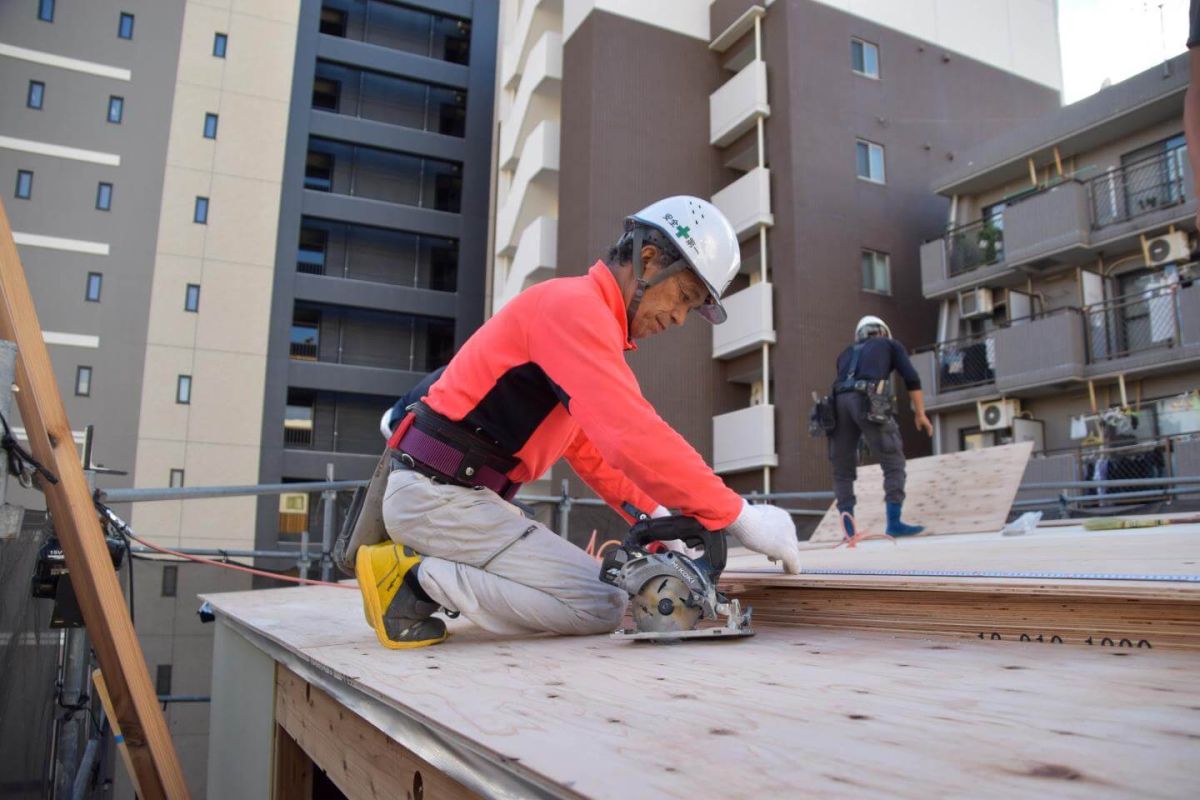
point(879, 397)
point(446, 451)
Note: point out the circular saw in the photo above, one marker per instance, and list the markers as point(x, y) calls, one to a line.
point(671, 594)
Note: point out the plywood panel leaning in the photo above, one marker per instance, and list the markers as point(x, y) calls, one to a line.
point(967, 492)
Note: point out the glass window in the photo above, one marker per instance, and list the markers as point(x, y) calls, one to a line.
point(326, 93)
point(306, 334)
point(200, 214)
point(46, 10)
point(176, 479)
point(37, 94)
point(83, 381)
point(125, 26)
point(104, 196)
point(191, 300)
point(210, 126)
point(870, 161)
point(24, 184)
point(876, 272)
point(318, 172)
point(183, 390)
point(864, 58)
point(116, 109)
point(333, 22)
point(170, 580)
point(95, 281)
point(310, 258)
point(220, 42)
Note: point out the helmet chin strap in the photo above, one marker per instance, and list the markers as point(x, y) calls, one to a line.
point(639, 276)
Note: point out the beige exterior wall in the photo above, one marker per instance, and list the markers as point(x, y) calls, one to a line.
point(216, 438)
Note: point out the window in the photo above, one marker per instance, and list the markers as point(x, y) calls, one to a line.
point(333, 22)
point(116, 109)
point(864, 58)
point(876, 272)
point(95, 281)
point(318, 172)
point(183, 390)
point(870, 161)
point(24, 184)
point(125, 26)
point(46, 10)
point(104, 197)
point(170, 580)
point(191, 300)
point(162, 680)
point(83, 381)
point(200, 214)
point(210, 126)
point(306, 334)
point(310, 258)
point(326, 94)
point(37, 94)
point(176, 480)
point(220, 42)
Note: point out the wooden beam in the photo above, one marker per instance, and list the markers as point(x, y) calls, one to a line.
point(135, 705)
point(118, 737)
point(358, 757)
point(293, 778)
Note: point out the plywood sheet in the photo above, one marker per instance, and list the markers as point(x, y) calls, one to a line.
point(967, 492)
point(790, 712)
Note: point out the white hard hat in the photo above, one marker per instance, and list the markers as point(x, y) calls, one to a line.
point(870, 321)
point(703, 237)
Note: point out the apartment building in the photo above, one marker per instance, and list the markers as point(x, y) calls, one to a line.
point(1068, 312)
point(248, 227)
point(817, 127)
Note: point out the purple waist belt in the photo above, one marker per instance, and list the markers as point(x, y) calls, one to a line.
point(438, 459)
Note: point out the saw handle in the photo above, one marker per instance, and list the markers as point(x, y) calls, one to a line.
point(686, 530)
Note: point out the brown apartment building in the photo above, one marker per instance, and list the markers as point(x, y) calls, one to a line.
point(817, 131)
point(1067, 309)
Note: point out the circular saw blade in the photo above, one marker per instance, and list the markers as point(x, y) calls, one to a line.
point(660, 606)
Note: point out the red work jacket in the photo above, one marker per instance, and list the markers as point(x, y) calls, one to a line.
point(546, 377)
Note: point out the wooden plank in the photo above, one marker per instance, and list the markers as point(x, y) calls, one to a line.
point(135, 704)
point(293, 779)
point(792, 711)
point(967, 492)
point(357, 756)
point(118, 737)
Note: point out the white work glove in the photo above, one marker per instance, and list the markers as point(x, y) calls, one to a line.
point(768, 530)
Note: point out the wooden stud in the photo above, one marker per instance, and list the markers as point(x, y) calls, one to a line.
point(135, 704)
point(293, 779)
point(1058, 161)
point(1033, 180)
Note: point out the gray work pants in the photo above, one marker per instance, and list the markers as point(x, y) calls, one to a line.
point(503, 571)
point(885, 443)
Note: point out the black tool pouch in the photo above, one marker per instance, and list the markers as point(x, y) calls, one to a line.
point(879, 403)
point(823, 418)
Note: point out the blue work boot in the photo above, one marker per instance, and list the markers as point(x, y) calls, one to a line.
point(846, 515)
point(897, 528)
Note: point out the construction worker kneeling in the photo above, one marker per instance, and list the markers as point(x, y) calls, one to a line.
point(545, 378)
point(863, 408)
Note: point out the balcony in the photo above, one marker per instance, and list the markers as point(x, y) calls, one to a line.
point(746, 202)
point(396, 27)
point(1050, 225)
point(533, 190)
point(744, 440)
point(750, 323)
point(538, 97)
point(1152, 188)
point(968, 255)
point(958, 371)
point(535, 259)
point(735, 107)
point(1040, 352)
point(1152, 331)
point(534, 19)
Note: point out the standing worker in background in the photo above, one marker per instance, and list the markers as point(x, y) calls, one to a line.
point(546, 378)
point(863, 406)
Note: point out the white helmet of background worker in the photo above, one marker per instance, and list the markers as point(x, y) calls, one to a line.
point(701, 234)
point(869, 323)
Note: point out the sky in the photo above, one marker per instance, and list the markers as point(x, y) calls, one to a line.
point(1114, 39)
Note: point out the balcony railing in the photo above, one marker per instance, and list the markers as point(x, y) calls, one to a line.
point(297, 437)
point(966, 362)
point(305, 351)
point(312, 439)
point(1140, 187)
point(974, 245)
point(1132, 324)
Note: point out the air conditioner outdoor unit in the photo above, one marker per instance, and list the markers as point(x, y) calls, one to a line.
point(975, 303)
point(1167, 248)
point(995, 415)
